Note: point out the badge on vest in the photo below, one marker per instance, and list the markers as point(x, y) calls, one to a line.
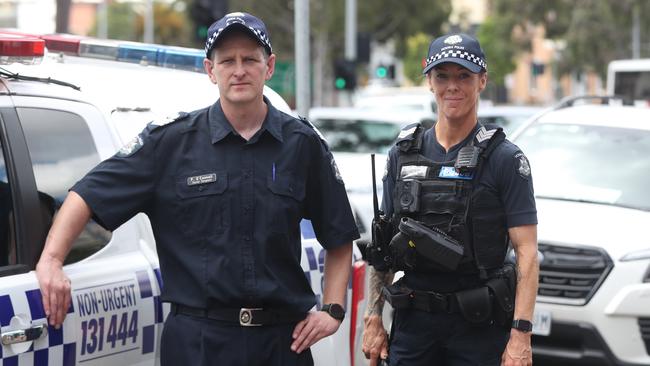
point(449, 172)
point(201, 179)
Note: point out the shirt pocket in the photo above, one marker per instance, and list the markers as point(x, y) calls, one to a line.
point(202, 206)
point(287, 199)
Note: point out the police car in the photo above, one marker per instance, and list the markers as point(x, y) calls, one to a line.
point(591, 173)
point(66, 103)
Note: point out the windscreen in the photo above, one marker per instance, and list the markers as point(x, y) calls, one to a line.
point(589, 163)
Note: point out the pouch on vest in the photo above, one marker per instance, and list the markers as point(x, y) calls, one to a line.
point(475, 305)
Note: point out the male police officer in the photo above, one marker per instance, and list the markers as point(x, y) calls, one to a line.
point(225, 188)
point(453, 195)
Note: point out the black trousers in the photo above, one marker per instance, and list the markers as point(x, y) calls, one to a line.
point(188, 340)
point(420, 338)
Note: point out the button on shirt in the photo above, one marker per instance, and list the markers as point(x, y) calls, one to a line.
point(225, 211)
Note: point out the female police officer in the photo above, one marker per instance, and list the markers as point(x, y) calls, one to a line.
point(454, 194)
point(225, 188)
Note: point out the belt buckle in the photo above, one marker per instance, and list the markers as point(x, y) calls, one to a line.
point(246, 317)
point(441, 301)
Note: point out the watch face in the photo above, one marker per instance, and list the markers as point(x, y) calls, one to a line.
point(522, 325)
point(335, 310)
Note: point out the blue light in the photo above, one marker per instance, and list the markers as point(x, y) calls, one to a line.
point(181, 58)
point(138, 53)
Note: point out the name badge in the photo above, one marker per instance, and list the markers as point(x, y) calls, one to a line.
point(413, 172)
point(449, 172)
point(201, 179)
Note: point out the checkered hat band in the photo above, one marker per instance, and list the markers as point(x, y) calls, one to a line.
point(259, 34)
point(458, 54)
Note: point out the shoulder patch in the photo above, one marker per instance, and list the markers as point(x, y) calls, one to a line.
point(130, 147)
point(522, 166)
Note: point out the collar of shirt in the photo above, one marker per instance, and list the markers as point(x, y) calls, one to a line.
point(220, 127)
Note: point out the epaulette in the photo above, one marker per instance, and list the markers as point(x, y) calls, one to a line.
point(488, 136)
point(311, 125)
point(408, 138)
point(169, 119)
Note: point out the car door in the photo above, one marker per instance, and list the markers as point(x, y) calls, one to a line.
point(116, 316)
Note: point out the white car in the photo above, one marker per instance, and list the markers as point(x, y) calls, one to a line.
point(510, 117)
point(591, 171)
point(352, 135)
point(51, 134)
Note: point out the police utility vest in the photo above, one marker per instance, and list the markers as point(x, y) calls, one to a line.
point(447, 197)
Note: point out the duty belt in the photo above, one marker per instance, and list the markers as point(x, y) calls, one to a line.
point(245, 317)
point(429, 301)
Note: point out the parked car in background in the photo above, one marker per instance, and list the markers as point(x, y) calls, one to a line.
point(353, 134)
point(591, 170)
point(397, 100)
point(510, 117)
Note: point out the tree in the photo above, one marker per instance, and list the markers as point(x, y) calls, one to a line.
point(594, 31)
point(171, 25)
point(416, 51)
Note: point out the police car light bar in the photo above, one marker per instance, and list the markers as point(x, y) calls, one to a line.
point(20, 48)
point(182, 58)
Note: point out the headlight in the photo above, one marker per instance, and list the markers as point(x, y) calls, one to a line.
point(636, 255)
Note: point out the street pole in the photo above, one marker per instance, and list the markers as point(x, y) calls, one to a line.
point(351, 30)
point(102, 20)
point(301, 25)
point(345, 97)
point(148, 22)
point(636, 31)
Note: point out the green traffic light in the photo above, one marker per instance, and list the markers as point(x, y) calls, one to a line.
point(202, 31)
point(381, 72)
point(339, 83)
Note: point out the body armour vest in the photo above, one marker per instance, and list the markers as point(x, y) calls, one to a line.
point(446, 196)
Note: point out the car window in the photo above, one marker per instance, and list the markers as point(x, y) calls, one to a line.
point(7, 227)
point(62, 151)
point(589, 163)
point(358, 135)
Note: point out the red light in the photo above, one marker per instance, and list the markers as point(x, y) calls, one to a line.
point(13, 45)
point(62, 43)
point(358, 286)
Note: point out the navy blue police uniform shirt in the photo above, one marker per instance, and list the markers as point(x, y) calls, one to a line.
point(506, 172)
point(225, 211)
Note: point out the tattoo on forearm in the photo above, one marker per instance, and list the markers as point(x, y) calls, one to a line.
point(375, 299)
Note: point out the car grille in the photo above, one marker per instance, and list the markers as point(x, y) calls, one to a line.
point(571, 275)
point(644, 327)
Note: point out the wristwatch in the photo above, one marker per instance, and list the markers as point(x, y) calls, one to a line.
point(336, 311)
point(522, 325)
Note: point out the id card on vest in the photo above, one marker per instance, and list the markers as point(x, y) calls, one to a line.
point(449, 172)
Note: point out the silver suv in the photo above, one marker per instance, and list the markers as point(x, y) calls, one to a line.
point(591, 167)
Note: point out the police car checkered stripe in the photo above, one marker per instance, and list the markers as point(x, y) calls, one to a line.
point(59, 347)
point(457, 54)
point(259, 34)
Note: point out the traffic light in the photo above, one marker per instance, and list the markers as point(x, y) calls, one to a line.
point(345, 74)
point(385, 71)
point(204, 13)
point(537, 68)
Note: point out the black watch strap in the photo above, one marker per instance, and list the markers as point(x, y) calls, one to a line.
point(522, 325)
point(336, 311)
